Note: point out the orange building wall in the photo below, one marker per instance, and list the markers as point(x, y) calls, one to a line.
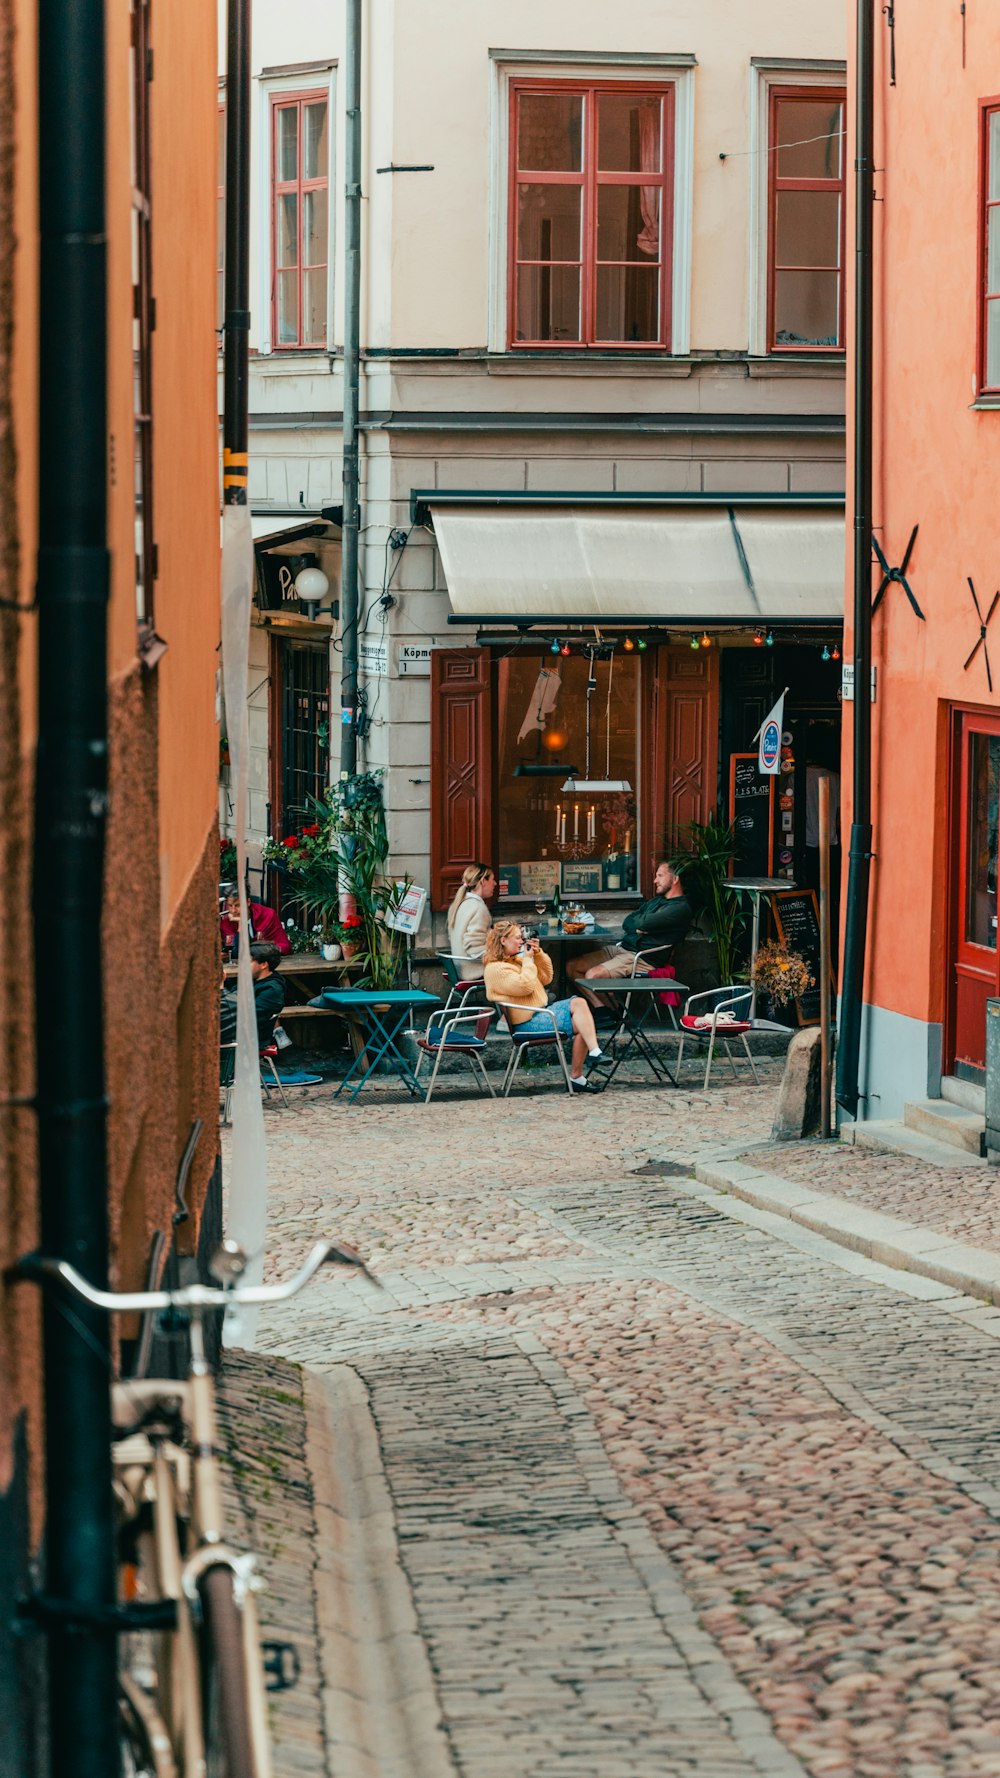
point(160, 926)
point(937, 464)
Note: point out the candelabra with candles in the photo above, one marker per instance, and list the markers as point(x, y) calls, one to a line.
point(575, 846)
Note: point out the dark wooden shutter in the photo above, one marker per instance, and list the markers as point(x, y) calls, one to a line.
point(680, 743)
point(692, 736)
point(461, 766)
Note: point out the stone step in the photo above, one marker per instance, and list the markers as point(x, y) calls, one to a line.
point(888, 1137)
point(964, 1092)
point(944, 1122)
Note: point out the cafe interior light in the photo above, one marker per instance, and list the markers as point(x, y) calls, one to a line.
point(758, 638)
point(565, 649)
point(769, 639)
point(641, 644)
point(694, 641)
point(554, 645)
point(835, 653)
point(628, 645)
point(597, 786)
point(825, 656)
point(706, 640)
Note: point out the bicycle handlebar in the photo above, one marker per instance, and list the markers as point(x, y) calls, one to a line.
point(193, 1296)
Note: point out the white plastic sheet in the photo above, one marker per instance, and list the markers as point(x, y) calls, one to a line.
point(246, 1221)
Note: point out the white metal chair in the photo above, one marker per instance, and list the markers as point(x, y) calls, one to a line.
point(457, 1034)
point(269, 1078)
point(521, 1041)
point(727, 1016)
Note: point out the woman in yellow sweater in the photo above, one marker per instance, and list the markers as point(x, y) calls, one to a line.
point(518, 970)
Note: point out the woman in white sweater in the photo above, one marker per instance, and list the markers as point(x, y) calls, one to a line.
point(469, 919)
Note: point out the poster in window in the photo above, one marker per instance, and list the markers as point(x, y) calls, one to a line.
point(581, 879)
point(509, 880)
point(541, 876)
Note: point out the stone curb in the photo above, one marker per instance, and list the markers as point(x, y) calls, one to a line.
point(904, 1246)
point(382, 1713)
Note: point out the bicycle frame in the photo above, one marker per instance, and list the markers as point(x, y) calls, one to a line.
point(183, 1486)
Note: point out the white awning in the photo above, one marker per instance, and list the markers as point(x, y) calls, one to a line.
point(677, 565)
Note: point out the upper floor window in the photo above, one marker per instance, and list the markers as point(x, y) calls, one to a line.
point(989, 251)
point(590, 215)
point(805, 298)
point(300, 215)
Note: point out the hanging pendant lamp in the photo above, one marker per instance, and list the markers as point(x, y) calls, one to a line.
point(607, 785)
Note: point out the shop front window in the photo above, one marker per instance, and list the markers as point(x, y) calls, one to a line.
point(981, 864)
point(583, 842)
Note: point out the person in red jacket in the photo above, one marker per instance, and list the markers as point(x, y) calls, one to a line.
point(265, 925)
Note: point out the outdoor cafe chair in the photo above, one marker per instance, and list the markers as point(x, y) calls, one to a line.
point(536, 1040)
point(269, 1078)
point(446, 1031)
point(727, 1016)
point(461, 989)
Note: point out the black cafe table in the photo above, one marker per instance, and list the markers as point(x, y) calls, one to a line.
point(560, 945)
point(634, 1001)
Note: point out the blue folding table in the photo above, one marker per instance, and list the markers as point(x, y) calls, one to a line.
point(383, 1012)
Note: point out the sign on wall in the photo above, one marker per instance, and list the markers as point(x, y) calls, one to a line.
point(415, 659)
point(373, 657)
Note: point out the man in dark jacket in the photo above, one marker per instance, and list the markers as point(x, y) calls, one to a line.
point(662, 921)
point(268, 995)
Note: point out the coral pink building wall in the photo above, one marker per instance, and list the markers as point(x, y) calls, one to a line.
point(937, 465)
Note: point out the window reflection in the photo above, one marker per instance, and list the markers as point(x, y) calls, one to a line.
point(981, 863)
point(583, 842)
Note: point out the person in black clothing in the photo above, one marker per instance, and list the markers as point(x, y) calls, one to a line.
point(268, 994)
point(664, 920)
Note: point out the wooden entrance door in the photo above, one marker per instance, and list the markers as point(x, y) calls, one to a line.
point(975, 824)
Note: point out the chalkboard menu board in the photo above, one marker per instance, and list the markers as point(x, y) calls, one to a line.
point(751, 811)
point(796, 915)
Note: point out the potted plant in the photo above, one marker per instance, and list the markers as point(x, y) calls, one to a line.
point(703, 856)
point(356, 834)
point(780, 975)
point(311, 870)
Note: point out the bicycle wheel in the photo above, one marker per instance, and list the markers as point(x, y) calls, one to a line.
point(227, 1688)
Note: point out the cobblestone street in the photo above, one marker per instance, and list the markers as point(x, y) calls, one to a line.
point(616, 1473)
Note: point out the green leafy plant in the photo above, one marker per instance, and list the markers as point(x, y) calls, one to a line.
point(357, 836)
point(703, 853)
point(306, 860)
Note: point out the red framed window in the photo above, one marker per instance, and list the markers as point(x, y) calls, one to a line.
point(989, 248)
point(805, 224)
point(143, 315)
point(591, 215)
point(220, 221)
point(300, 158)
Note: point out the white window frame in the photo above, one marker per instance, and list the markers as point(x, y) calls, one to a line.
point(322, 81)
point(763, 76)
point(678, 70)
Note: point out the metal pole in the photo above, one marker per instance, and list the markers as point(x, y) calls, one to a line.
point(859, 874)
point(352, 373)
point(236, 327)
point(824, 954)
point(68, 869)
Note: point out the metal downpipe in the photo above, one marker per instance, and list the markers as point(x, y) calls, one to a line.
point(859, 870)
point(350, 530)
point(68, 871)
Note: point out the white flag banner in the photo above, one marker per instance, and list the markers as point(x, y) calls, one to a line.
point(543, 701)
point(769, 734)
point(246, 1221)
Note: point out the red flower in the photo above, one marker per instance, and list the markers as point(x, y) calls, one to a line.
point(351, 920)
point(310, 832)
point(292, 840)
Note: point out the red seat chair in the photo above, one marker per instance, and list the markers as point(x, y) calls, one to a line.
point(727, 1016)
point(457, 1033)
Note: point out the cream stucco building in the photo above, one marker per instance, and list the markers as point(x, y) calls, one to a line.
point(602, 404)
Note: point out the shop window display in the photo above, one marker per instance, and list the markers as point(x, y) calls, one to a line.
point(563, 718)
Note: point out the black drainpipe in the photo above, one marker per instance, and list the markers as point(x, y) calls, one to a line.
point(68, 869)
point(351, 522)
point(859, 873)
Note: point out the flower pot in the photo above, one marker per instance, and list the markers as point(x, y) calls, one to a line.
point(348, 950)
point(331, 953)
